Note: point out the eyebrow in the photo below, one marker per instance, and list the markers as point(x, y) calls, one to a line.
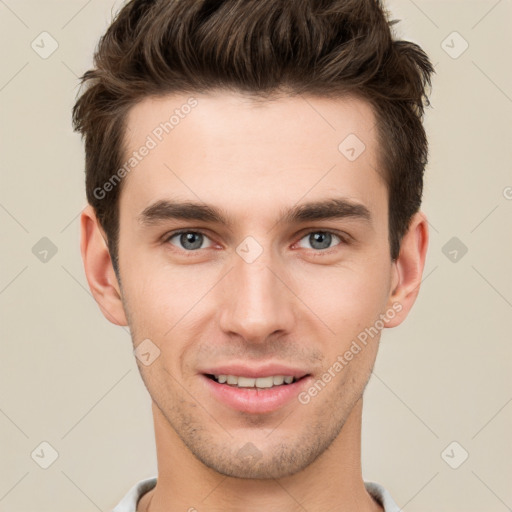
point(330, 209)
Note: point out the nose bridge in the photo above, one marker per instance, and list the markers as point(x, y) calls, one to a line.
point(256, 302)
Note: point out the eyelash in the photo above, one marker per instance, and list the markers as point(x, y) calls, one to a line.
point(344, 239)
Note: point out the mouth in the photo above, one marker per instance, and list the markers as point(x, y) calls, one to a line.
point(238, 381)
point(258, 392)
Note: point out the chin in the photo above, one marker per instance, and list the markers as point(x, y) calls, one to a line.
point(257, 471)
point(271, 462)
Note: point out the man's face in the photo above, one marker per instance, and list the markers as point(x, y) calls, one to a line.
point(268, 294)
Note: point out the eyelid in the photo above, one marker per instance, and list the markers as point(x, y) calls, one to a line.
point(167, 237)
point(345, 238)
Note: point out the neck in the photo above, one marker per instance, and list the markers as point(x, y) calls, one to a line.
point(332, 482)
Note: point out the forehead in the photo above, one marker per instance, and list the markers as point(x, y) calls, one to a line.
point(226, 149)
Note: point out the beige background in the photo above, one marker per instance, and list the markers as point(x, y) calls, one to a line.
point(68, 377)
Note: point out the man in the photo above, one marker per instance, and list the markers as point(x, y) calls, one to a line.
point(254, 176)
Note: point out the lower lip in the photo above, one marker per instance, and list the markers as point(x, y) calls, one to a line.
point(256, 400)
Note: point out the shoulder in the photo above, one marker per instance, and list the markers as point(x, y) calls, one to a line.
point(130, 500)
point(382, 496)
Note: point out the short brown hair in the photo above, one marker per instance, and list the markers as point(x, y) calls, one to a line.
point(325, 48)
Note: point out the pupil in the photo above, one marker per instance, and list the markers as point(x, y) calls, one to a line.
point(320, 240)
point(187, 240)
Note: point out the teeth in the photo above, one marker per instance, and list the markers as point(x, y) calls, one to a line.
point(260, 382)
point(246, 382)
point(263, 382)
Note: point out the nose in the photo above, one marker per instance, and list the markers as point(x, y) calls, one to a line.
point(257, 302)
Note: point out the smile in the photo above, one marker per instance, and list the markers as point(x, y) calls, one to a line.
point(255, 395)
point(249, 382)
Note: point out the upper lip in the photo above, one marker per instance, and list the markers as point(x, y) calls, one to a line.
point(255, 372)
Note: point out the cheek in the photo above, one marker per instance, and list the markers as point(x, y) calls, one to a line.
point(148, 300)
point(347, 298)
point(164, 300)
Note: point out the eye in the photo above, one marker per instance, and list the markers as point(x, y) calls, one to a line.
point(188, 240)
point(321, 240)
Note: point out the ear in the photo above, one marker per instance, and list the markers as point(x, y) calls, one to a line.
point(408, 269)
point(98, 268)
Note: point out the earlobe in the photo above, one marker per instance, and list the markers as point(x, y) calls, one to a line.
point(98, 268)
point(408, 268)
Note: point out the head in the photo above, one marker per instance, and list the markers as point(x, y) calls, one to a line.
point(286, 140)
